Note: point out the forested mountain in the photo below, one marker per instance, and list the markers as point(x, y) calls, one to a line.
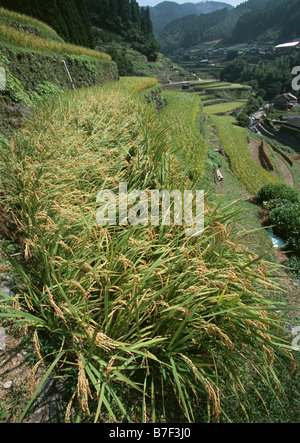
point(279, 20)
point(68, 17)
point(166, 12)
point(193, 30)
point(127, 19)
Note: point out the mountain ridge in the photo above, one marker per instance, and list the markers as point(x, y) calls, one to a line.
point(167, 11)
point(192, 30)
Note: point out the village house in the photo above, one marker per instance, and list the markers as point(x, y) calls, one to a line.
point(285, 101)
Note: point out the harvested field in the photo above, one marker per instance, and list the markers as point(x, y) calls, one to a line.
point(288, 178)
point(255, 155)
point(254, 150)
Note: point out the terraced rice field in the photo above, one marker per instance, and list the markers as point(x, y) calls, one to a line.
point(180, 116)
point(49, 42)
point(220, 98)
point(281, 168)
point(223, 108)
point(235, 145)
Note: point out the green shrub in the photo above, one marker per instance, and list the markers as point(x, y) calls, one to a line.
point(286, 221)
point(44, 91)
point(212, 160)
point(243, 119)
point(271, 204)
point(273, 191)
point(14, 89)
point(294, 266)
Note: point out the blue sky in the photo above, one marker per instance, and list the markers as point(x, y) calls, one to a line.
point(155, 2)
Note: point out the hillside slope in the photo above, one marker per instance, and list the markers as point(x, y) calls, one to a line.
point(192, 30)
point(35, 60)
point(278, 21)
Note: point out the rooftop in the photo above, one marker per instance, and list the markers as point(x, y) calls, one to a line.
point(293, 124)
point(288, 45)
point(287, 97)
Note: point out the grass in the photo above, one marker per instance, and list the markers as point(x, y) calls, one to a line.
point(14, 37)
point(140, 322)
point(258, 240)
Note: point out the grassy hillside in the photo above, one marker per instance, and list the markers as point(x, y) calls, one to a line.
point(29, 24)
point(34, 57)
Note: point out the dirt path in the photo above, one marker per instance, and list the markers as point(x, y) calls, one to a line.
point(288, 178)
point(254, 150)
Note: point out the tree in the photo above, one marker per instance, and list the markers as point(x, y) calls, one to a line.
point(135, 12)
point(243, 119)
point(127, 19)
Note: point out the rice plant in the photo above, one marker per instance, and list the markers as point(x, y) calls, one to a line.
point(181, 117)
point(10, 17)
point(14, 37)
point(140, 322)
point(222, 108)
